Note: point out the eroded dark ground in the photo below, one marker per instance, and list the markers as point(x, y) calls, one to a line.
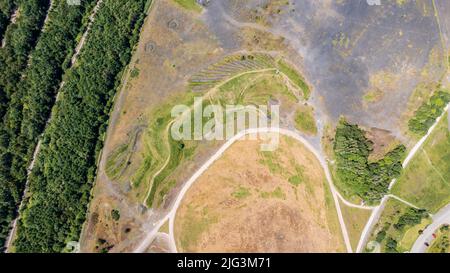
point(343, 43)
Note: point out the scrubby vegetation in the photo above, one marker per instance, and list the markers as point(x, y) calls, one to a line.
point(65, 169)
point(427, 114)
point(356, 175)
point(411, 217)
point(355, 220)
point(305, 122)
point(115, 214)
point(399, 226)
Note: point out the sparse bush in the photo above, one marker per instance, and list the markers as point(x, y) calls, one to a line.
point(411, 217)
point(115, 214)
point(427, 114)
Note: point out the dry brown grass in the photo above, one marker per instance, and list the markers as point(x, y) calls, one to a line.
point(253, 201)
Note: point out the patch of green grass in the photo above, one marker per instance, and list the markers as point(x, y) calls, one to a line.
point(305, 122)
point(116, 162)
point(373, 96)
point(158, 146)
point(298, 177)
point(141, 173)
point(426, 180)
point(277, 193)
point(255, 89)
point(269, 159)
point(195, 223)
point(134, 73)
point(241, 193)
point(355, 220)
point(295, 180)
point(411, 234)
point(164, 189)
point(295, 78)
point(160, 185)
point(189, 5)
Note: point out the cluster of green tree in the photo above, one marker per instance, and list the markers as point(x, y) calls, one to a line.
point(31, 103)
point(6, 10)
point(359, 176)
point(391, 245)
point(411, 217)
point(20, 40)
point(62, 178)
point(427, 114)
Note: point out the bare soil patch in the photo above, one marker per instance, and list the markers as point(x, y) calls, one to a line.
point(253, 201)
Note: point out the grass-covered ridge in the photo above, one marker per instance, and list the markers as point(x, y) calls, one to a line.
point(61, 181)
point(356, 175)
point(250, 79)
point(295, 77)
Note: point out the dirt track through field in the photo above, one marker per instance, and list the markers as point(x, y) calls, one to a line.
point(171, 215)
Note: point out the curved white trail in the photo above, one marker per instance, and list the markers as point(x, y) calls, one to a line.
point(440, 218)
point(378, 210)
point(171, 215)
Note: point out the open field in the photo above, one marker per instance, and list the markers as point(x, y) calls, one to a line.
point(254, 201)
point(398, 227)
point(426, 181)
point(355, 220)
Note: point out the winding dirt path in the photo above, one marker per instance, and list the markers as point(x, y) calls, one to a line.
point(171, 215)
point(379, 209)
